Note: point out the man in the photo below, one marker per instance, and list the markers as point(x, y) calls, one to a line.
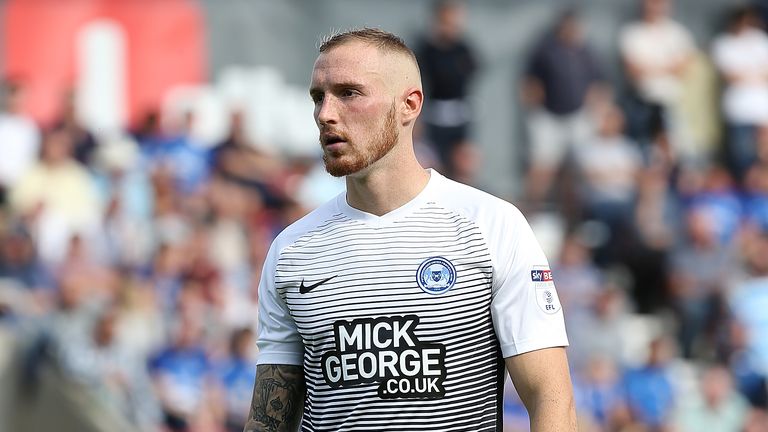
point(563, 88)
point(392, 306)
point(657, 51)
point(448, 65)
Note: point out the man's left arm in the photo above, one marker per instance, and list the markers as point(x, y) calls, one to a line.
point(543, 381)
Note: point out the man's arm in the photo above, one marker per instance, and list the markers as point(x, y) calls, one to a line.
point(543, 382)
point(278, 398)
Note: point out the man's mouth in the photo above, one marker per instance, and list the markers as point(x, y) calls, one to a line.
point(330, 139)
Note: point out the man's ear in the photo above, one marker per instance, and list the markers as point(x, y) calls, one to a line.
point(412, 103)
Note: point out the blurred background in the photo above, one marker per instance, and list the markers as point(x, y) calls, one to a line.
point(150, 150)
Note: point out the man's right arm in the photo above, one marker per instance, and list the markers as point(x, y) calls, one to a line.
point(278, 398)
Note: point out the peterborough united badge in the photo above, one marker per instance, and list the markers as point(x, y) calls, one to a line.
point(436, 275)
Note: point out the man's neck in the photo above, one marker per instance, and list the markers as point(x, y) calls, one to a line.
point(382, 189)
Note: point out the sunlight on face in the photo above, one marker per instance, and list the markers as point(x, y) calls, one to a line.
point(354, 112)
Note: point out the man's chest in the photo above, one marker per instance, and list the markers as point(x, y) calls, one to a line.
point(434, 272)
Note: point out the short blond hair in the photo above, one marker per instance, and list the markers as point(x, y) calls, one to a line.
point(381, 39)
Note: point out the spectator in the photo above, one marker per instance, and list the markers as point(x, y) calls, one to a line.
point(448, 65)
point(599, 395)
point(649, 390)
point(756, 197)
point(183, 377)
point(748, 302)
point(578, 279)
point(83, 142)
point(19, 136)
point(19, 260)
point(610, 164)
point(116, 375)
point(712, 190)
point(741, 56)
point(699, 271)
point(602, 332)
point(656, 51)
point(237, 374)
point(716, 408)
point(657, 225)
point(59, 194)
point(128, 193)
point(183, 157)
point(562, 80)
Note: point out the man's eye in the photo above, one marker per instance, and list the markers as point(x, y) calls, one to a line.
point(348, 93)
point(317, 98)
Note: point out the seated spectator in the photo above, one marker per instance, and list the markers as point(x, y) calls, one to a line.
point(185, 159)
point(83, 142)
point(610, 164)
point(715, 408)
point(712, 191)
point(237, 374)
point(741, 56)
point(699, 268)
point(649, 391)
point(183, 377)
point(599, 394)
point(239, 160)
point(578, 279)
point(602, 332)
point(130, 202)
point(749, 302)
point(116, 375)
point(19, 260)
point(59, 194)
point(756, 197)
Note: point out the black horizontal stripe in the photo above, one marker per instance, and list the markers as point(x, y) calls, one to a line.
point(379, 310)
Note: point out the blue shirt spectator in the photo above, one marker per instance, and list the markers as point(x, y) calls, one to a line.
point(649, 391)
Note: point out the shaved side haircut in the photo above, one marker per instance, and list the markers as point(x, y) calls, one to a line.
point(385, 41)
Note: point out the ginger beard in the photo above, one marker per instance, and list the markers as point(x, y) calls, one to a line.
point(356, 157)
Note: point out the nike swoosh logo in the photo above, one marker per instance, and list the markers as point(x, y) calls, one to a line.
point(307, 288)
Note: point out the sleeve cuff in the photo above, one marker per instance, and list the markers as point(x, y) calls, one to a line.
point(510, 350)
point(288, 358)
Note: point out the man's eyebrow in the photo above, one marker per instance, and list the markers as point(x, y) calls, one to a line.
point(313, 91)
point(348, 84)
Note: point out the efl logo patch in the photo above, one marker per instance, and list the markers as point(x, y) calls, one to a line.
point(544, 284)
point(436, 275)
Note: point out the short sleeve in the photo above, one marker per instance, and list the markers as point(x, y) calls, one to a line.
point(526, 311)
point(279, 341)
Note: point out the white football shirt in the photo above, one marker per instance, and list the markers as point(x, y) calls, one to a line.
point(402, 321)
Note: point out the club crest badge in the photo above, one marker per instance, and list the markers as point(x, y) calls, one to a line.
point(436, 275)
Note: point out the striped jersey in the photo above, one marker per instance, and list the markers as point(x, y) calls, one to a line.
point(402, 321)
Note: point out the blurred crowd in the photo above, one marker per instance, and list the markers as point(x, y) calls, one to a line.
point(129, 263)
point(660, 185)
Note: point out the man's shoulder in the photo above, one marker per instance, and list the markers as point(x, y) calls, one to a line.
point(308, 223)
point(474, 203)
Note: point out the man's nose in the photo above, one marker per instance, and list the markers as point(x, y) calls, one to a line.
point(326, 111)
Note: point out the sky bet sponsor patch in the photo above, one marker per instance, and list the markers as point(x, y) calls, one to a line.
point(385, 350)
point(544, 275)
point(544, 284)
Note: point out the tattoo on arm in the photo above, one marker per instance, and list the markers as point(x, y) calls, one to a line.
point(278, 398)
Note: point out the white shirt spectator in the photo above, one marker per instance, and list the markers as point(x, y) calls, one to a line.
point(20, 144)
point(656, 47)
point(610, 165)
point(745, 54)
